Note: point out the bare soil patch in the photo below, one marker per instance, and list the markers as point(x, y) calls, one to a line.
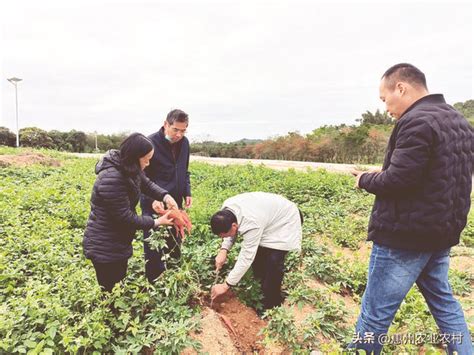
point(462, 263)
point(213, 336)
point(230, 327)
point(242, 323)
point(27, 159)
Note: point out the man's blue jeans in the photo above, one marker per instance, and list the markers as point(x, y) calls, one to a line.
point(392, 273)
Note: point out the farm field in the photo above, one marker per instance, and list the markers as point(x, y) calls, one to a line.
point(50, 301)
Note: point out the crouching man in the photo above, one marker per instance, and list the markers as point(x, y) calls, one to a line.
point(270, 226)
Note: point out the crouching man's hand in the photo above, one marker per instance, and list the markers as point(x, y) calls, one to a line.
point(221, 259)
point(218, 290)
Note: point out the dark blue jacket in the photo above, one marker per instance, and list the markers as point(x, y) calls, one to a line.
point(423, 193)
point(169, 173)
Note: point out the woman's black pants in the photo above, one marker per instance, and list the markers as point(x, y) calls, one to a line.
point(109, 274)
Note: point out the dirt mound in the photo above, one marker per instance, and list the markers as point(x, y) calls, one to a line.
point(243, 323)
point(230, 327)
point(26, 159)
point(213, 336)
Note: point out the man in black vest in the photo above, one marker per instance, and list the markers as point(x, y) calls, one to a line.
point(168, 169)
point(422, 199)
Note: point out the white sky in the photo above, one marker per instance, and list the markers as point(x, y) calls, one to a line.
point(249, 69)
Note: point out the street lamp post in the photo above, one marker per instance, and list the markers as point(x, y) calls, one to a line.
point(15, 81)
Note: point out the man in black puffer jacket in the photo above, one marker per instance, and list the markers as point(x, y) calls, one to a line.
point(421, 207)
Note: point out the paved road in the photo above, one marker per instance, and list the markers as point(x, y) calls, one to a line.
point(278, 164)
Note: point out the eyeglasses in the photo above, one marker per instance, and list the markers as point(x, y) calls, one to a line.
point(177, 130)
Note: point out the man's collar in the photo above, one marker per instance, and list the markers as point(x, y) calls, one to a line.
point(428, 99)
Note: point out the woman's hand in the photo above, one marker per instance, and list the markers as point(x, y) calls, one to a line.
point(164, 220)
point(158, 207)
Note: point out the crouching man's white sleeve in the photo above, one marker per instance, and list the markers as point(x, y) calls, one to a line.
point(227, 243)
point(249, 247)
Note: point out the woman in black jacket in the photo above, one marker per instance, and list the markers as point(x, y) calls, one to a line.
point(113, 220)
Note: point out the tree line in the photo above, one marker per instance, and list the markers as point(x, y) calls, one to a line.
point(361, 143)
point(72, 141)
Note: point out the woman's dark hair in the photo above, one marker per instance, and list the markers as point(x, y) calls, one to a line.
point(134, 147)
point(222, 221)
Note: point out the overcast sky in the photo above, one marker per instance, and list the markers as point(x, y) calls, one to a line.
point(249, 69)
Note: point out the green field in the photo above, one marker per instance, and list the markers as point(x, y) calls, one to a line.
point(50, 301)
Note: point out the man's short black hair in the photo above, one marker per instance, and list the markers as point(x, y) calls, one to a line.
point(177, 116)
point(221, 221)
point(404, 72)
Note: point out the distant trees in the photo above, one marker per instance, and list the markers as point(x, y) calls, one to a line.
point(35, 137)
point(7, 137)
point(467, 109)
point(72, 141)
point(77, 140)
point(378, 118)
point(218, 149)
point(363, 143)
point(60, 140)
